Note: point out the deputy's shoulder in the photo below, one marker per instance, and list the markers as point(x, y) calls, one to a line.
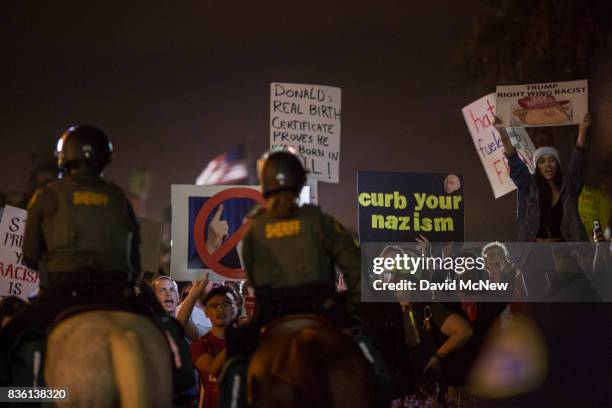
point(44, 196)
point(115, 191)
point(315, 211)
point(311, 209)
point(334, 227)
point(56, 184)
point(256, 212)
point(113, 187)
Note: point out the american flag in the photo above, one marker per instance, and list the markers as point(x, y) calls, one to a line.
point(230, 167)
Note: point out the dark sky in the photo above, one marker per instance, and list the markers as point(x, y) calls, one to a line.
point(176, 83)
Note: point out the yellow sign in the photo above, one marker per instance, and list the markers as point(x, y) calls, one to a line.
point(89, 198)
point(594, 204)
point(283, 229)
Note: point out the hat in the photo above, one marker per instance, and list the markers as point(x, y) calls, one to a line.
point(543, 151)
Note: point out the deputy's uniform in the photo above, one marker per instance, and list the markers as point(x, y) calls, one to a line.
point(290, 257)
point(81, 229)
point(82, 236)
point(290, 262)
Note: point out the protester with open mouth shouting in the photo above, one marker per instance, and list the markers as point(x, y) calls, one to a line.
point(548, 200)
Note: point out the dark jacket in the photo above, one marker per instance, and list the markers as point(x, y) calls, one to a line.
point(283, 254)
point(81, 223)
point(528, 207)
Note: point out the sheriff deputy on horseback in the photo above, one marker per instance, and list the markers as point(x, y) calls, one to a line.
point(81, 235)
point(289, 253)
point(81, 228)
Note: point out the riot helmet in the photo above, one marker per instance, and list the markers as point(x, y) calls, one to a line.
point(282, 171)
point(83, 146)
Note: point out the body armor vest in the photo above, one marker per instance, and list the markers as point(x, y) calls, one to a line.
point(288, 252)
point(90, 229)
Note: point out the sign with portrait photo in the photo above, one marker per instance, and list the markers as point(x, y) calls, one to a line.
point(398, 207)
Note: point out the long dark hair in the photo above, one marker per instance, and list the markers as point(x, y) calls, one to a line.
point(282, 204)
point(545, 192)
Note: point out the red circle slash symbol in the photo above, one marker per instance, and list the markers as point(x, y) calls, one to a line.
point(213, 260)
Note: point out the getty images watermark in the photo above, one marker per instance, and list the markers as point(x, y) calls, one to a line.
point(483, 272)
point(404, 264)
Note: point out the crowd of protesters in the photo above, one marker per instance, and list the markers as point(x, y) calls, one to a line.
point(428, 347)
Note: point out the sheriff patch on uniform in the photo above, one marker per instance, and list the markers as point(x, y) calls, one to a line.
point(282, 229)
point(89, 198)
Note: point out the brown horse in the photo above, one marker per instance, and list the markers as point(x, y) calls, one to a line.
point(303, 361)
point(109, 359)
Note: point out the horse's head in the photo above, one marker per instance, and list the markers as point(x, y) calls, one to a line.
point(303, 361)
point(109, 358)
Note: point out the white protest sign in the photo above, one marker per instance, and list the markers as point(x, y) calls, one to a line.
point(208, 224)
point(313, 191)
point(15, 278)
point(307, 117)
point(546, 104)
point(479, 117)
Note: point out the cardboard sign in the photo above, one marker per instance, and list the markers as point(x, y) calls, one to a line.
point(547, 104)
point(15, 278)
point(150, 242)
point(307, 117)
point(479, 117)
point(398, 207)
point(594, 205)
point(310, 192)
point(208, 223)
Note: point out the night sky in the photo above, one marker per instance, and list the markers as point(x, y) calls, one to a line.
point(176, 83)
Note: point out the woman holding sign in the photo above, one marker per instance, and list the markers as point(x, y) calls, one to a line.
point(548, 212)
point(548, 200)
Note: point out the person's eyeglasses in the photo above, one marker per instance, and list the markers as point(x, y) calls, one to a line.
point(223, 305)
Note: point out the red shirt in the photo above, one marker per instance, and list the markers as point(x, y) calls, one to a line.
point(211, 345)
point(249, 306)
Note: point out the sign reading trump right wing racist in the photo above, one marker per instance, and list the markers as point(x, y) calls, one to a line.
point(546, 104)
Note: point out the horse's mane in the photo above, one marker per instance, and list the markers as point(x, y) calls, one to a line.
point(303, 361)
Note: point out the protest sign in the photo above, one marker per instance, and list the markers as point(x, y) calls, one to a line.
point(208, 223)
point(307, 117)
point(150, 241)
point(312, 189)
point(398, 207)
point(15, 278)
point(594, 205)
point(546, 104)
point(479, 117)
